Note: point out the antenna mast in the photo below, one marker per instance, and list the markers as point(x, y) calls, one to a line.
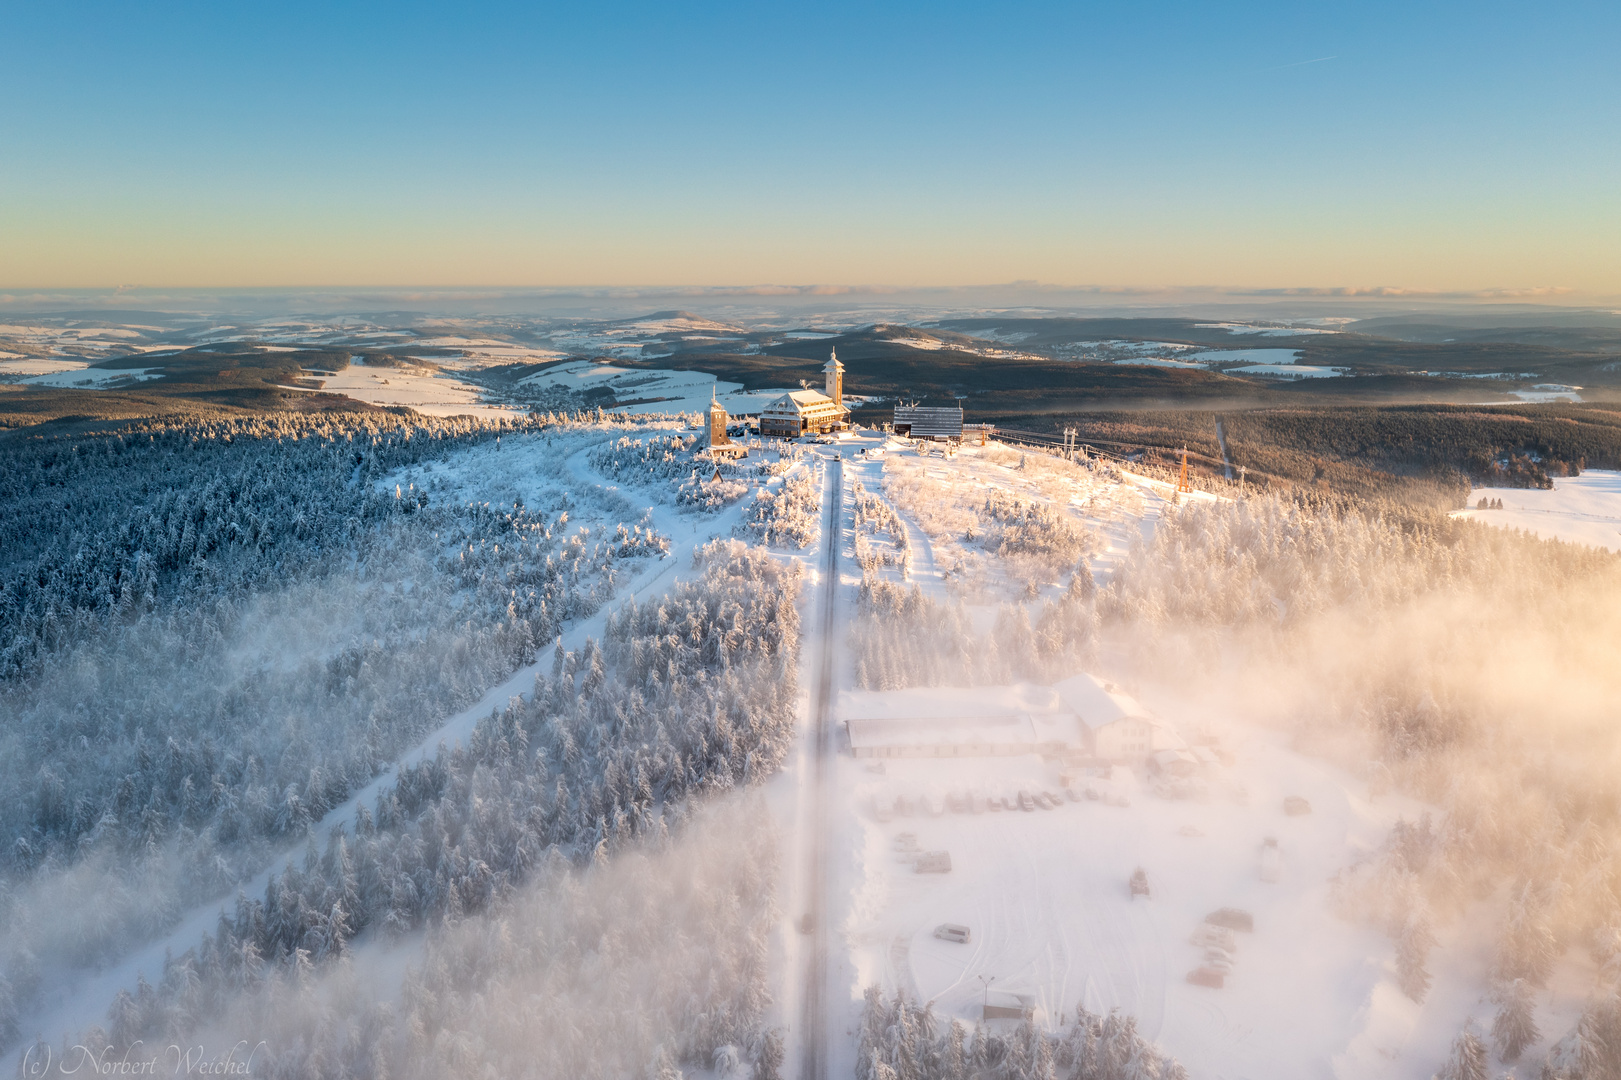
point(1182, 485)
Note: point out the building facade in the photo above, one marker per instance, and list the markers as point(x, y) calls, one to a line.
point(809, 412)
point(1115, 726)
point(720, 444)
point(929, 422)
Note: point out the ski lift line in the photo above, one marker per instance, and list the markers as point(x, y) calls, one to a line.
point(1033, 438)
point(1036, 438)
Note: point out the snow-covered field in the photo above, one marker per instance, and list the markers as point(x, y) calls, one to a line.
point(1045, 896)
point(1246, 356)
point(1271, 362)
point(1583, 509)
point(45, 372)
point(1282, 363)
point(1290, 371)
point(1265, 331)
point(424, 390)
point(1538, 395)
point(24, 367)
point(931, 344)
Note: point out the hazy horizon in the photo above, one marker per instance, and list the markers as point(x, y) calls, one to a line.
point(849, 303)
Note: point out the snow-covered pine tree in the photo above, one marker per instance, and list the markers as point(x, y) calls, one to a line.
point(1412, 953)
point(1515, 1026)
point(1468, 1060)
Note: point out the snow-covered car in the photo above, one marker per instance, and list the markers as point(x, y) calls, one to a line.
point(1271, 868)
point(955, 932)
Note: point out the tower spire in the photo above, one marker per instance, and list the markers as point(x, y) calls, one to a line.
point(835, 377)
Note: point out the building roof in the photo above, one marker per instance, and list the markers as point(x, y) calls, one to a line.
point(1099, 703)
point(1010, 729)
point(798, 402)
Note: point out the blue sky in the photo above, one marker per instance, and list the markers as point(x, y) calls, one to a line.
point(1442, 146)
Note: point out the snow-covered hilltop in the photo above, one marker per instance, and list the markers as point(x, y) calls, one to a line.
point(411, 744)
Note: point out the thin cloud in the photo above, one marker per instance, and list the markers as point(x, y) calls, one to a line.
point(1303, 63)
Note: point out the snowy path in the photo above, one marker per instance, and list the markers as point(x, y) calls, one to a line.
point(70, 1005)
point(814, 1063)
point(924, 564)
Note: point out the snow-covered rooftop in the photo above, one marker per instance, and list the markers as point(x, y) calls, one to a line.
point(1097, 703)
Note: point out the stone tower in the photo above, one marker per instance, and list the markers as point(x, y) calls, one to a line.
point(717, 421)
point(835, 378)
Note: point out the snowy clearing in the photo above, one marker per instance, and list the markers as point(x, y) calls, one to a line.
point(98, 378)
point(1246, 356)
point(1583, 509)
point(22, 367)
point(1044, 893)
point(426, 391)
point(1289, 371)
point(1538, 396)
point(75, 373)
point(1263, 331)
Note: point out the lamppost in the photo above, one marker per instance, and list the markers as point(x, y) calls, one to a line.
point(985, 981)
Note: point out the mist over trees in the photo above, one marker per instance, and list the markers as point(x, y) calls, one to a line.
point(899, 1038)
point(689, 696)
point(1469, 666)
point(902, 637)
point(635, 966)
point(302, 623)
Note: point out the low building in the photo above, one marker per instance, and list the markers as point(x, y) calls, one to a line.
point(963, 736)
point(1173, 763)
point(937, 422)
point(1083, 720)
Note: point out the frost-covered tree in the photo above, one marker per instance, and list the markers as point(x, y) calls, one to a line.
point(1412, 955)
point(1515, 1026)
point(898, 1038)
point(1468, 1060)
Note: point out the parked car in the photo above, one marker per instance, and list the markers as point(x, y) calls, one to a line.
point(1233, 919)
point(955, 932)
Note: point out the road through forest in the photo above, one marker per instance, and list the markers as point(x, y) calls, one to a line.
point(814, 1039)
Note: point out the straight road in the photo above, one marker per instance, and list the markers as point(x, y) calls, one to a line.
point(814, 1041)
